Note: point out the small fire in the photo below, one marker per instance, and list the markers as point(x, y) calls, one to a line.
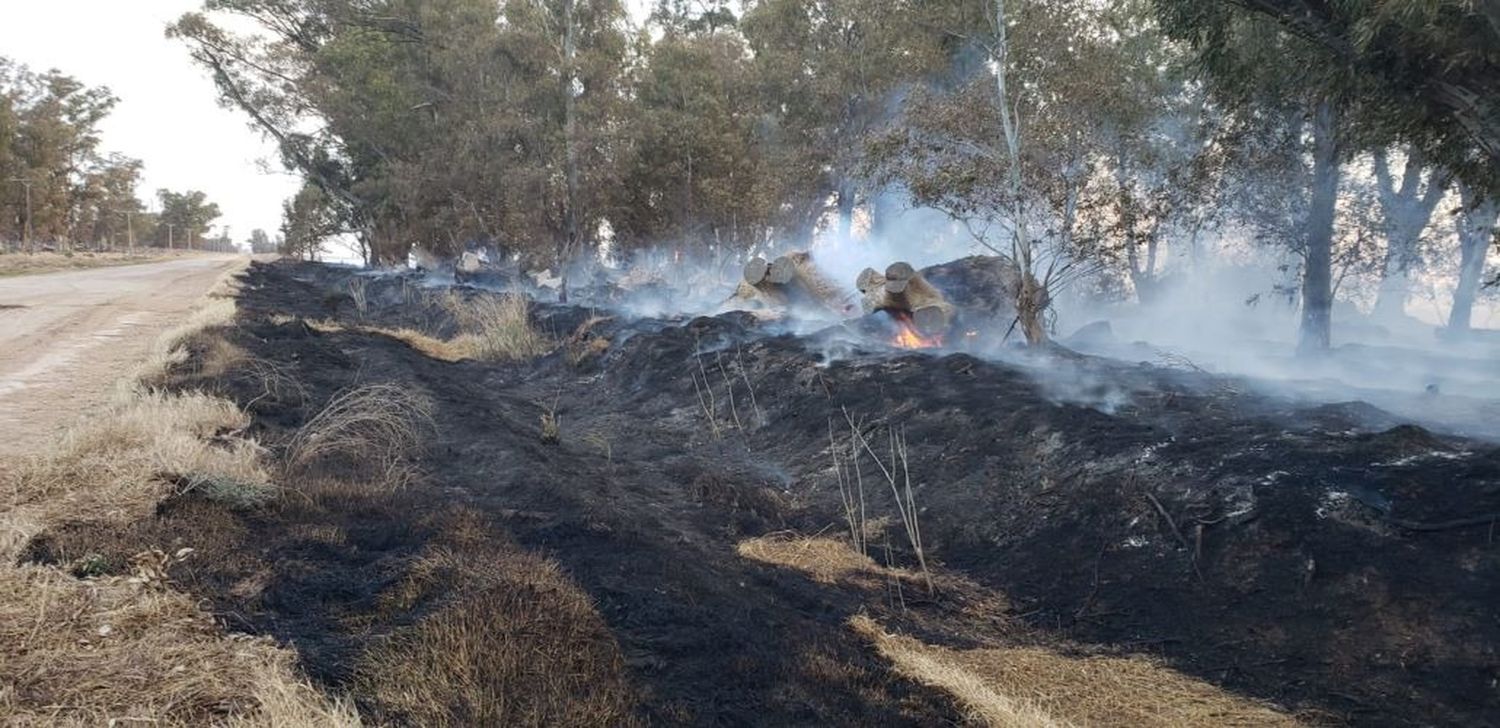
point(907, 336)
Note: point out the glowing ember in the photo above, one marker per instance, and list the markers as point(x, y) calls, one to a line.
point(907, 336)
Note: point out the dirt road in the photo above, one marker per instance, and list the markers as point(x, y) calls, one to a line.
point(65, 338)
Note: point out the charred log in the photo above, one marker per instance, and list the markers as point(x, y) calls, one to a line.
point(789, 280)
point(902, 291)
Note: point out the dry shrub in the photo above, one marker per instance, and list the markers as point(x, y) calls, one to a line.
point(119, 463)
point(584, 345)
point(824, 559)
point(1029, 686)
point(507, 639)
point(379, 427)
point(278, 382)
point(495, 328)
point(103, 652)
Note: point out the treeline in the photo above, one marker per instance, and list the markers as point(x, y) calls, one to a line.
point(59, 190)
point(1089, 141)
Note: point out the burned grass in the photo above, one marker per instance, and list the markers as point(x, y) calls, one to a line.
point(1143, 513)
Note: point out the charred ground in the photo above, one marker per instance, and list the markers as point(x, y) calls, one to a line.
point(1289, 553)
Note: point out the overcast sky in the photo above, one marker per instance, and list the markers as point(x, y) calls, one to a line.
point(167, 116)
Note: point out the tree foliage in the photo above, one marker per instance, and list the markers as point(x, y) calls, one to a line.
point(1425, 72)
point(56, 186)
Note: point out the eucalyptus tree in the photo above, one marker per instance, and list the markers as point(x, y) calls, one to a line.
point(438, 122)
point(1477, 231)
point(51, 166)
point(830, 73)
point(1407, 205)
point(1428, 71)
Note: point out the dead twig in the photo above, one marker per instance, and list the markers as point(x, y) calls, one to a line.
point(1176, 532)
point(1088, 601)
point(1488, 519)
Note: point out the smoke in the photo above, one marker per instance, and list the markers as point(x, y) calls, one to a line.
point(1231, 311)
point(920, 236)
point(1239, 318)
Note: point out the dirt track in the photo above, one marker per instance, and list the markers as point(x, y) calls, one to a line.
point(66, 337)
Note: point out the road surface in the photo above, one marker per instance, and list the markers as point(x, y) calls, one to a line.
point(66, 338)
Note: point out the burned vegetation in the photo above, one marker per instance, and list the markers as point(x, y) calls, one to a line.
point(617, 520)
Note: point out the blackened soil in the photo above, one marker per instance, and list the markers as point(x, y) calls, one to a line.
point(1287, 554)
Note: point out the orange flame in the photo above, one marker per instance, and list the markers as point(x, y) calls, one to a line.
point(907, 336)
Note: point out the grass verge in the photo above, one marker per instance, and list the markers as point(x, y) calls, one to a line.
point(129, 649)
point(20, 264)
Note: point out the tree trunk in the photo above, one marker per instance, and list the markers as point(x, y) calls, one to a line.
point(846, 207)
point(571, 234)
point(1031, 304)
point(1317, 274)
point(1476, 228)
point(1407, 212)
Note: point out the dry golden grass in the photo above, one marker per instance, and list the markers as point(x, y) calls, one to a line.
point(119, 463)
point(496, 328)
point(168, 351)
point(14, 264)
point(826, 560)
point(440, 349)
point(76, 652)
point(381, 426)
point(124, 651)
point(515, 644)
point(491, 329)
point(1029, 686)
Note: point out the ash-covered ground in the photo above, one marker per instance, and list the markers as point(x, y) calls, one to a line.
point(1328, 558)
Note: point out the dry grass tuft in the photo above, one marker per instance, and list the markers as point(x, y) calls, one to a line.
point(491, 329)
point(496, 328)
point(517, 644)
point(381, 426)
point(168, 350)
point(824, 559)
point(111, 652)
point(1029, 686)
point(440, 349)
point(583, 345)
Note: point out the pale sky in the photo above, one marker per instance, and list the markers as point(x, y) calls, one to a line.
point(167, 116)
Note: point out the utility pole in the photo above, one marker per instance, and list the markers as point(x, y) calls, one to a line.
point(26, 232)
point(169, 234)
point(129, 228)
